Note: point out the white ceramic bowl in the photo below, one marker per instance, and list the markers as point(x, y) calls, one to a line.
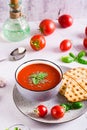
point(18, 126)
point(43, 95)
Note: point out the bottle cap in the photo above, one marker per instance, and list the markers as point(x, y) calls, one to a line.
point(15, 14)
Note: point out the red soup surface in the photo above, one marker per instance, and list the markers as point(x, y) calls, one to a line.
point(38, 77)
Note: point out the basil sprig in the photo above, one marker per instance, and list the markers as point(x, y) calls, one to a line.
point(71, 58)
point(38, 77)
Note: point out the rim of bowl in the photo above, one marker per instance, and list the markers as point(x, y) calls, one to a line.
point(61, 72)
point(18, 125)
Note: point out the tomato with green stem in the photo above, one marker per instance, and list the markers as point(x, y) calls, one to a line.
point(37, 42)
point(47, 26)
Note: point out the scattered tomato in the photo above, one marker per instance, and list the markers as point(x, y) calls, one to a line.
point(41, 110)
point(85, 42)
point(65, 20)
point(86, 31)
point(57, 111)
point(65, 45)
point(47, 27)
point(37, 42)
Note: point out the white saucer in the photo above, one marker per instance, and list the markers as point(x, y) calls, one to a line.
point(27, 107)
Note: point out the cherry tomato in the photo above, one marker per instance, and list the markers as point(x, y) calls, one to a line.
point(86, 31)
point(65, 45)
point(85, 42)
point(41, 110)
point(47, 27)
point(37, 42)
point(65, 20)
point(57, 111)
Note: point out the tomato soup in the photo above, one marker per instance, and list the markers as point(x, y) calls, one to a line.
point(38, 77)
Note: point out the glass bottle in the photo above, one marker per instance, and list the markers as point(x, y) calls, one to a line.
point(16, 27)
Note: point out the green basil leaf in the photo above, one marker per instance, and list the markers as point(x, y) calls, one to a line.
point(16, 128)
point(67, 59)
point(38, 77)
point(72, 55)
point(81, 54)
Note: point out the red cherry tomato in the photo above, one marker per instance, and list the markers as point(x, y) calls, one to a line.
point(41, 110)
point(57, 111)
point(85, 42)
point(65, 20)
point(65, 45)
point(47, 27)
point(86, 31)
point(37, 42)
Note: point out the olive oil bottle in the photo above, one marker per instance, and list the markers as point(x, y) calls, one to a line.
point(16, 27)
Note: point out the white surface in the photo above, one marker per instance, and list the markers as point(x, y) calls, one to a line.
point(34, 9)
point(9, 114)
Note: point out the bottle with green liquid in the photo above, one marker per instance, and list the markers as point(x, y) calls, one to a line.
point(16, 27)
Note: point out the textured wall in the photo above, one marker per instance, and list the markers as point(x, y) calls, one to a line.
point(40, 9)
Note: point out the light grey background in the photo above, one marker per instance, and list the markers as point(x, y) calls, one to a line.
point(39, 9)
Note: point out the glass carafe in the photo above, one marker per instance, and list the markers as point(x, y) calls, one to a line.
point(16, 27)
